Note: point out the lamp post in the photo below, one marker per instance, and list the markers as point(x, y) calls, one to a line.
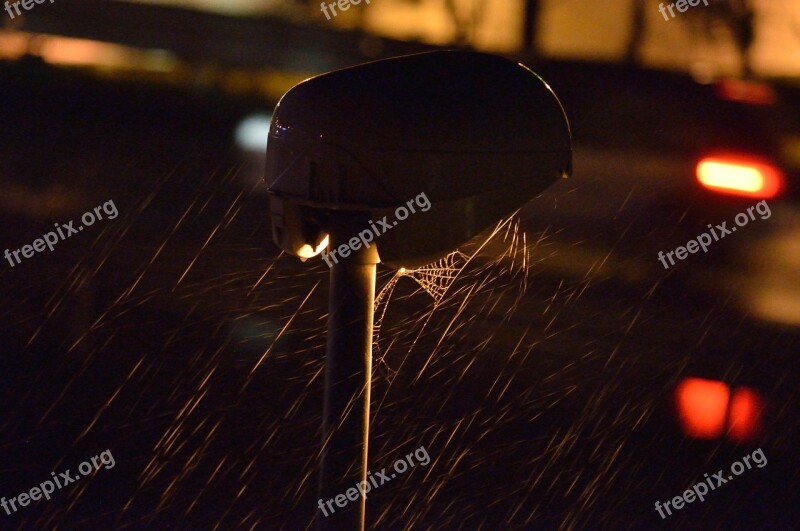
point(479, 135)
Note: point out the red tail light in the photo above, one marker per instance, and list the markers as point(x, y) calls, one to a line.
point(702, 405)
point(738, 176)
point(746, 91)
point(706, 407)
point(745, 412)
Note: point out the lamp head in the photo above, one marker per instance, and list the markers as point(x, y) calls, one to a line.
point(477, 134)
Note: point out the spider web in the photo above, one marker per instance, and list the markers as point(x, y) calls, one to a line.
point(435, 279)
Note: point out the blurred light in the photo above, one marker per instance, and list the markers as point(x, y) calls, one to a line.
point(746, 91)
point(745, 414)
point(159, 60)
point(68, 51)
point(770, 272)
point(276, 83)
point(307, 251)
point(739, 177)
point(103, 56)
point(230, 7)
point(252, 133)
point(704, 72)
point(790, 149)
point(702, 406)
point(13, 45)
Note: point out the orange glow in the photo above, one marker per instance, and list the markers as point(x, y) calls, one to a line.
point(739, 177)
point(13, 45)
point(69, 51)
point(306, 251)
point(702, 406)
point(745, 414)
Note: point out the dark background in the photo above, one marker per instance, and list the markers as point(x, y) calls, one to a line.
point(541, 382)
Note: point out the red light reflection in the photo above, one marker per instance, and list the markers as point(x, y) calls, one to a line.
point(702, 406)
point(744, 415)
point(705, 407)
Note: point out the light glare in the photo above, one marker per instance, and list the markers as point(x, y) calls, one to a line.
point(252, 133)
point(739, 178)
point(702, 407)
point(306, 251)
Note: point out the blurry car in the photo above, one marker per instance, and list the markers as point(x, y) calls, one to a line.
point(660, 155)
point(672, 114)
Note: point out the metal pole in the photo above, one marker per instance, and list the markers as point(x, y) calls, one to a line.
point(348, 375)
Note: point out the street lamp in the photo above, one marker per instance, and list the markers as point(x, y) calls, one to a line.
point(477, 134)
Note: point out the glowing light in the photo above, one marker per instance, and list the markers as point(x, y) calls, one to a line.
point(745, 413)
point(702, 407)
point(77, 52)
point(252, 133)
point(13, 45)
point(746, 91)
point(306, 251)
point(790, 149)
point(739, 177)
